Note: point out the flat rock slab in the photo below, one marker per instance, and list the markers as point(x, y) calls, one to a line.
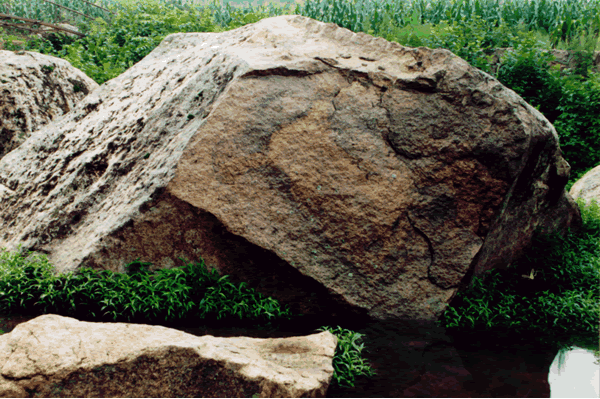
point(55, 356)
point(36, 89)
point(320, 166)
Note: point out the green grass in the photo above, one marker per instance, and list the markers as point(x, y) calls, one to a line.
point(29, 285)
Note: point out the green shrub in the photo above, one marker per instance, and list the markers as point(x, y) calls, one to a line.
point(578, 124)
point(110, 49)
point(19, 277)
point(560, 305)
point(526, 71)
point(163, 295)
point(28, 285)
point(347, 361)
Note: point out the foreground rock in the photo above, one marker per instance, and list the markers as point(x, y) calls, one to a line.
point(334, 171)
point(588, 187)
point(55, 356)
point(35, 89)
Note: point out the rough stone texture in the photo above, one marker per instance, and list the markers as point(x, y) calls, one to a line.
point(588, 187)
point(412, 364)
point(34, 90)
point(334, 171)
point(55, 356)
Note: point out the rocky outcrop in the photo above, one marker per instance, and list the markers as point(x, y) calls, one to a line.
point(588, 187)
point(35, 89)
point(54, 356)
point(333, 171)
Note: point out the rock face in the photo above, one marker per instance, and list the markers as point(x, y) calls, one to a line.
point(55, 356)
point(334, 171)
point(588, 187)
point(35, 89)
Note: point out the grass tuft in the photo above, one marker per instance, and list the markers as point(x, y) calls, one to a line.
point(28, 285)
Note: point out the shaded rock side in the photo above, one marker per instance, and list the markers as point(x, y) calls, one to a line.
point(34, 90)
point(588, 187)
point(55, 356)
point(327, 169)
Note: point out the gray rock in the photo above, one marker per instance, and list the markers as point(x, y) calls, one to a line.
point(336, 172)
point(588, 187)
point(35, 89)
point(53, 356)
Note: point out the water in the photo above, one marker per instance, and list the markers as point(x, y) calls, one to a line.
point(578, 378)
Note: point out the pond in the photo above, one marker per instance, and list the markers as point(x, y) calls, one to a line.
point(419, 359)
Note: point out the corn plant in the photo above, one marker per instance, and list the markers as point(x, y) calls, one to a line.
point(561, 19)
point(42, 10)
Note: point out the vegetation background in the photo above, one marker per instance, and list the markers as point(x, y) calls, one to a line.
point(558, 301)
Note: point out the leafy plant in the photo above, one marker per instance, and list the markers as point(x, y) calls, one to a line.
point(560, 305)
point(144, 296)
point(53, 13)
point(347, 362)
point(578, 124)
point(526, 71)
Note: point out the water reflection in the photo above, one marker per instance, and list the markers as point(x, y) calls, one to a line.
point(579, 376)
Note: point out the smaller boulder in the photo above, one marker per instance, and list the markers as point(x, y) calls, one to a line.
point(588, 187)
point(48, 31)
point(35, 89)
point(56, 356)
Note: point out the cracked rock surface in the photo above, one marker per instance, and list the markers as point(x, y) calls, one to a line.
point(333, 171)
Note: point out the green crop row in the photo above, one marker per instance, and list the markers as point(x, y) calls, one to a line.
point(560, 19)
point(47, 12)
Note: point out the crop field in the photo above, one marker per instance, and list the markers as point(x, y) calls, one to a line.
point(559, 19)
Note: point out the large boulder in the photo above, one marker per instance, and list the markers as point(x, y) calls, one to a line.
point(588, 187)
point(334, 171)
point(53, 356)
point(35, 89)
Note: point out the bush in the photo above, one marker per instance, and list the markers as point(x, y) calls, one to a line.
point(578, 124)
point(558, 302)
point(526, 71)
point(110, 49)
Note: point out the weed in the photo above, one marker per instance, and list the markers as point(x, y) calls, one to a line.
point(560, 306)
point(347, 362)
point(28, 284)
